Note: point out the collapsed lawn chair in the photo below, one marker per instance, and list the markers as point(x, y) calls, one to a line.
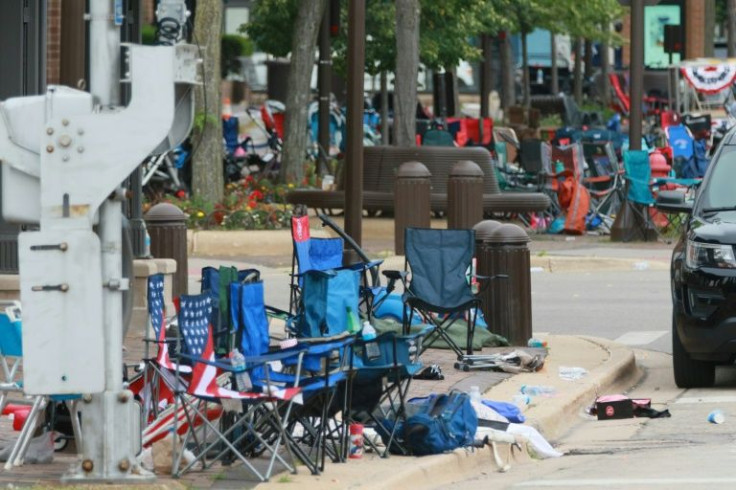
point(314, 429)
point(261, 425)
point(439, 290)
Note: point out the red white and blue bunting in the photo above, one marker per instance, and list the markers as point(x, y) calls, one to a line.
point(710, 79)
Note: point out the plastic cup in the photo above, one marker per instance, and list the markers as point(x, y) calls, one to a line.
point(716, 417)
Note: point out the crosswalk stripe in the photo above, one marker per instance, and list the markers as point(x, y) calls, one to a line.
point(625, 482)
point(640, 338)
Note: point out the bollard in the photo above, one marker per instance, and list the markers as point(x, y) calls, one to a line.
point(506, 303)
point(411, 201)
point(464, 195)
point(167, 227)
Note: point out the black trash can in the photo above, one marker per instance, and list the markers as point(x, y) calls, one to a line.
point(167, 227)
point(507, 303)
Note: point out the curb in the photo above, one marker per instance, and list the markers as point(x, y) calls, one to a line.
point(619, 372)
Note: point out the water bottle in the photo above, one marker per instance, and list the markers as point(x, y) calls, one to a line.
point(242, 380)
point(369, 337)
point(474, 394)
point(536, 343)
point(537, 390)
point(147, 245)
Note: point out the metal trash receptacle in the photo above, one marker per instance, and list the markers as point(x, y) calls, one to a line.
point(506, 303)
point(411, 201)
point(167, 226)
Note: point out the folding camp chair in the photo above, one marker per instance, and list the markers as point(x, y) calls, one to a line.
point(437, 137)
point(261, 425)
point(637, 173)
point(324, 371)
point(439, 290)
point(604, 183)
point(11, 347)
point(154, 385)
point(322, 254)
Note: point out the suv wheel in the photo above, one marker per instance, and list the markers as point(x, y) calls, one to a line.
point(689, 373)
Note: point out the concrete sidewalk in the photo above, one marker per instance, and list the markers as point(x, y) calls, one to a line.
point(611, 367)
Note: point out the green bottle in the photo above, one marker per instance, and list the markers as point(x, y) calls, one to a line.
point(353, 322)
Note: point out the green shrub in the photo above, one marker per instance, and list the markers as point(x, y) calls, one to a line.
point(233, 46)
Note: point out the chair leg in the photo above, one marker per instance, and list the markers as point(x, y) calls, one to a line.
point(24, 438)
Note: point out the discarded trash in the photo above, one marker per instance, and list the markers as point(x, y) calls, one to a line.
point(641, 266)
point(536, 343)
point(537, 390)
point(569, 238)
point(716, 417)
point(521, 400)
point(356, 441)
point(572, 373)
point(474, 393)
point(536, 269)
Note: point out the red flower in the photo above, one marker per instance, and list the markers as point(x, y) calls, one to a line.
point(252, 204)
point(256, 195)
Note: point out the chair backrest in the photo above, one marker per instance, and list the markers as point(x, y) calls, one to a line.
point(156, 310)
point(601, 158)
point(195, 328)
point(248, 315)
point(314, 254)
point(11, 337)
point(680, 140)
point(571, 157)
point(439, 262)
point(473, 130)
point(531, 155)
point(638, 173)
point(438, 137)
point(325, 299)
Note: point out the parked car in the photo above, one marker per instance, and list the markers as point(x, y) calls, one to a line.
point(703, 273)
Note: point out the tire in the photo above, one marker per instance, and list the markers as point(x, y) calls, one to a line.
point(689, 373)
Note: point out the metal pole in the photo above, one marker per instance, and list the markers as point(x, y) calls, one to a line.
point(354, 147)
point(637, 73)
point(104, 53)
point(325, 72)
point(108, 446)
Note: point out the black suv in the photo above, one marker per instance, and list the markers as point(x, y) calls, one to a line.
point(703, 272)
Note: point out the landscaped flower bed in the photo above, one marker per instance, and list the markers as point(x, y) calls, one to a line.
point(248, 205)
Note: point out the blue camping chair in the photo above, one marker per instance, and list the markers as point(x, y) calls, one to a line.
point(323, 254)
point(11, 346)
point(439, 290)
point(325, 370)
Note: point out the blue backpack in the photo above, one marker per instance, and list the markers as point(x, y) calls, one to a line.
point(441, 423)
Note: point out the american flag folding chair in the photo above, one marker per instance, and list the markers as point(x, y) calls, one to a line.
point(260, 426)
point(155, 384)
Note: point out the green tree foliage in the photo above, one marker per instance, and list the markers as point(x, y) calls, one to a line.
point(271, 25)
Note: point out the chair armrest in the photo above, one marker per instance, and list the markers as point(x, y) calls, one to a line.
point(394, 276)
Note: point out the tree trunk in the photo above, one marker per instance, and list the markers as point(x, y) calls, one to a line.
point(731, 16)
point(507, 73)
point(555, 79)
point(384, 108)
point(407, 66)
point(578, 71)
point(298, 90)
point(605, 70)
point(526, 84)
point(207, 170)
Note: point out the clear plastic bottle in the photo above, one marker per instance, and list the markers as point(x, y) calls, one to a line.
point(372, 351)
point(537, 390)
point(242, 380)
point(474, 394)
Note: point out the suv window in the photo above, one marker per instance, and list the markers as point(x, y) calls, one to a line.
point(721, 187)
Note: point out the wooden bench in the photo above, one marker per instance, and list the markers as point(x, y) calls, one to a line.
point(379, 174)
